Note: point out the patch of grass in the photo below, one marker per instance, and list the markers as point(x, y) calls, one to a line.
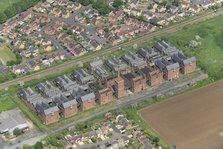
point(6, 54)
point(5, 3)
point(6, 103)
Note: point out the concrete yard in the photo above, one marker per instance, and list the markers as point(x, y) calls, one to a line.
point(192, 121)
point(12, 119)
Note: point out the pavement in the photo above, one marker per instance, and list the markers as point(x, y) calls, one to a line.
point(167, 87)
point(74, 62)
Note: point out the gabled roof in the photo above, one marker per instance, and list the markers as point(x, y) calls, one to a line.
point(133, 59)
point(88, 97)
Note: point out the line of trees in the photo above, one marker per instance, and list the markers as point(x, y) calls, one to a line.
point(16, 8)
point(100, 5)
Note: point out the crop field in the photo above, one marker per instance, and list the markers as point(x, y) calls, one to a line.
point(192, 120)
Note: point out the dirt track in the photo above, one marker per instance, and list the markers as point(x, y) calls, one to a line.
point(193, 120)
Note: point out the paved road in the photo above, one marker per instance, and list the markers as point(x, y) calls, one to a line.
point(167, 87)
point(138, 40)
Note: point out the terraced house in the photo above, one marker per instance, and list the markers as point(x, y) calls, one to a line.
point(64, 96)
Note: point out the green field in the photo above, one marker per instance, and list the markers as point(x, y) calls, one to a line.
point(6, 54)
point(209, 54)
point(5, 3)
point(6, 104)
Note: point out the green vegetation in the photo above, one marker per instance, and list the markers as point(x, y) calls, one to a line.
point(209, 54)
point(117, 3)
point(7, 54)
point(6, 104)
point(17, 132)
point(9, 8)
point(38, 145)
point(100, 5)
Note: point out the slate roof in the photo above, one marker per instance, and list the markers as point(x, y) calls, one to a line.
point(149, 54)
point(133, 59)
point(182, 59)
point(66, 83)
point(48, 89)
point(165, 49)
point(164, 64)
point(82, 76)
point(30, 96)
point(46, 109)
point(116, 64)
point(87, 97)
point(64, 102)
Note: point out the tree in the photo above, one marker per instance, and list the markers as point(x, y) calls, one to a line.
point(156, 140)
point(3, 18)
point(117, 3)
point(176, 2)
point(38, 145)
point(27, 146)
point(102, 7)
point(17, 132)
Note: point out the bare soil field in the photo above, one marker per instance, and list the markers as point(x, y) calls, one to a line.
point(192, 121)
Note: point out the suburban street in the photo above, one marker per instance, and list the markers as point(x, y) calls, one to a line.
point(166, 88)
point(74, 62)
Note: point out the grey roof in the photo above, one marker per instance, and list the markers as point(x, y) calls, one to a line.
point(30, 96)
point(87, 97)
point(96, 63)
point(83, 76)
point(46, 109)
point(77, 93)
point(164, 64)
point(64, 102)
point(165, 48)
point(150, 54)
point(116, 64)
point(101, 72)
point(48, 89)
point(65, 83)
point(182, 59)
point(133, 59)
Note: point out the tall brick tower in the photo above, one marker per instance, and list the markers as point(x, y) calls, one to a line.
point(119, 87)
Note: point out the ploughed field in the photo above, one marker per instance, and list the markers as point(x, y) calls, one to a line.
point(192, 121)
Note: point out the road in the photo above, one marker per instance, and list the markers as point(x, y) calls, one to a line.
point(74, 62)
point(167, 87)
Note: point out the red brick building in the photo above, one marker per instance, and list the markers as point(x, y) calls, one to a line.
point(104, 96)
point(87, 101)
point(187, 65)
point(135, 81)
point(119, 87)
point(153, 75)
point(67, 107)
point(170, 69)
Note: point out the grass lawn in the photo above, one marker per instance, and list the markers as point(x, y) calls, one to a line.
point(6, 54)
point(5, 3)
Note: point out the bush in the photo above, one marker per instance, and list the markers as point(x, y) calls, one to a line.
point(38, 145)
point(17, 132)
